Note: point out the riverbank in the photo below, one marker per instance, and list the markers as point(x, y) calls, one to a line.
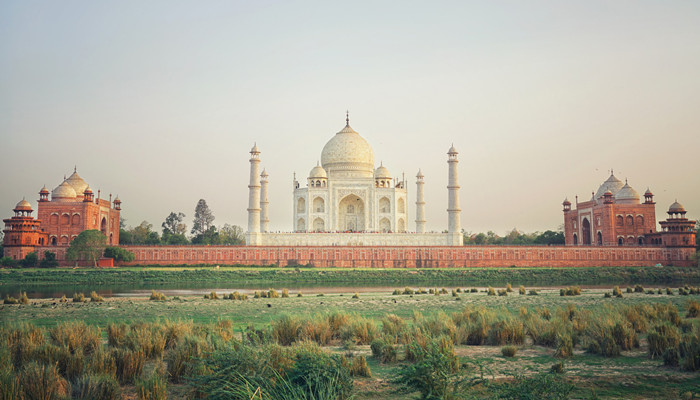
point(155, 276)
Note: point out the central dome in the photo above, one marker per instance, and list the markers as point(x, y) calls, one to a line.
point(349, 154)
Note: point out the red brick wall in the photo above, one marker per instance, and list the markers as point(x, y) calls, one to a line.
point(65, 220)
point(410, 256)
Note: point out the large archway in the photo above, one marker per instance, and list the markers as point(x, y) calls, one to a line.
point(103, 226)
point(586, 232)
point(351, 214)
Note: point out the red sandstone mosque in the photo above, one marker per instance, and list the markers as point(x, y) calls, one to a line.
point(71, 209)
point(615, 216)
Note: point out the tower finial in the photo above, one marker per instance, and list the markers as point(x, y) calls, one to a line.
point(75, 168)
point(347, 117)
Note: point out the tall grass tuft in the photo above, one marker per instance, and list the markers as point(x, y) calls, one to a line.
point(77, 336)
point(509, 288)
point(23, 298)
point(360, 329)
point(153, 388)
point(22, 341)
point(96, 298)
point(663, 337)
point(129, 364)
point(521, 289)
point(693, 309)
point(40, 381)
point(272, 294)
point(285, 293)
point(181, 360)
point(358, 367)
point(91, 387)
point(491, 291)
point(157, 296)
point(79, 298)
point(286, 329)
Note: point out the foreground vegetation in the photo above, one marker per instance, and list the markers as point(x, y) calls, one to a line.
point(417, 343)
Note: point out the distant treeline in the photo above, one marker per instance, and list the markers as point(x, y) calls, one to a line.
point(515, 238)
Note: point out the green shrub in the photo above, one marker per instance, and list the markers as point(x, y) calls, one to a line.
point(607, 295)
point(23, 299)
point(540, 386)
point(79, 298)
point(285, 293)
point(272, 294)
point(384, 350)
point(10, 300)
point(356, 296)
point(435, 374)
point(474, 290)
point(502, 292)
point(407, 290)
point(91, 387)
point(509, 351)
point(693, 309)
point(509, 288)
point(557, 368)
point(669, 291)
point(629, 290)
point(491, 291)
point(521, 289)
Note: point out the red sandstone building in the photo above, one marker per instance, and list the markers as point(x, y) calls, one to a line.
point(71, 209)
point(615, 216)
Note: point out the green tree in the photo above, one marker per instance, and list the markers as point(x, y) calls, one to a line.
point(203, 218)
point(210, 236)
point(231, 235)
point(118, 254)
point(89, 245)
point(144, 234)
point(49, 260)
point(31, 260)
point(550, 237)
point(174, 229)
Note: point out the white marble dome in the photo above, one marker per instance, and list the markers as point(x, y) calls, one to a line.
point(79, 185)
point(317, 172)
point(63, 192)
point(349, 153)
point(382, 173)
point(627, 195)
point(612, 184)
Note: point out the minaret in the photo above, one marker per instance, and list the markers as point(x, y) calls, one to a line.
point(420, 203)
point(264, 220)
point(253, 236)
point(454, 226)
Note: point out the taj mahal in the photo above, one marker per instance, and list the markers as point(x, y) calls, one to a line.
point(347, 202)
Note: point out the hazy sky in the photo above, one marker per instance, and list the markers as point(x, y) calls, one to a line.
point(160, 101)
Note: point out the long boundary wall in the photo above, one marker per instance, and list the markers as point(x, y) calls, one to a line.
point(412, 256)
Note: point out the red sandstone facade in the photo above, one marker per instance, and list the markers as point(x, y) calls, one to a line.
point(22, 232)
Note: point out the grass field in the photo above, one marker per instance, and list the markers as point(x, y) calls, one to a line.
point(631, 375)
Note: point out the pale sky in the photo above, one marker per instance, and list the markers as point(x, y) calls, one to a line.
point(160, 101)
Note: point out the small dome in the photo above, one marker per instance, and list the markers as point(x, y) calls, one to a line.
point(23, 206)
point(317, 172)
point(566, 201)
point(676, 207)
point(648, 192)
point(64, 192)
point(420, 174)
point(612, 184)
point(87, 190)
point(452, 150)
point(116, 200)
point(77, 182)
point(264, 173)
point(382, 173)
point(627, 195)
point(607, 193)
point(44, 190)
point(255, 148)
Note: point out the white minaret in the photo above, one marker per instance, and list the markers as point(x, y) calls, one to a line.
point(454, 226)
point(253, 236)
point(264, 220)
point(420, 203)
